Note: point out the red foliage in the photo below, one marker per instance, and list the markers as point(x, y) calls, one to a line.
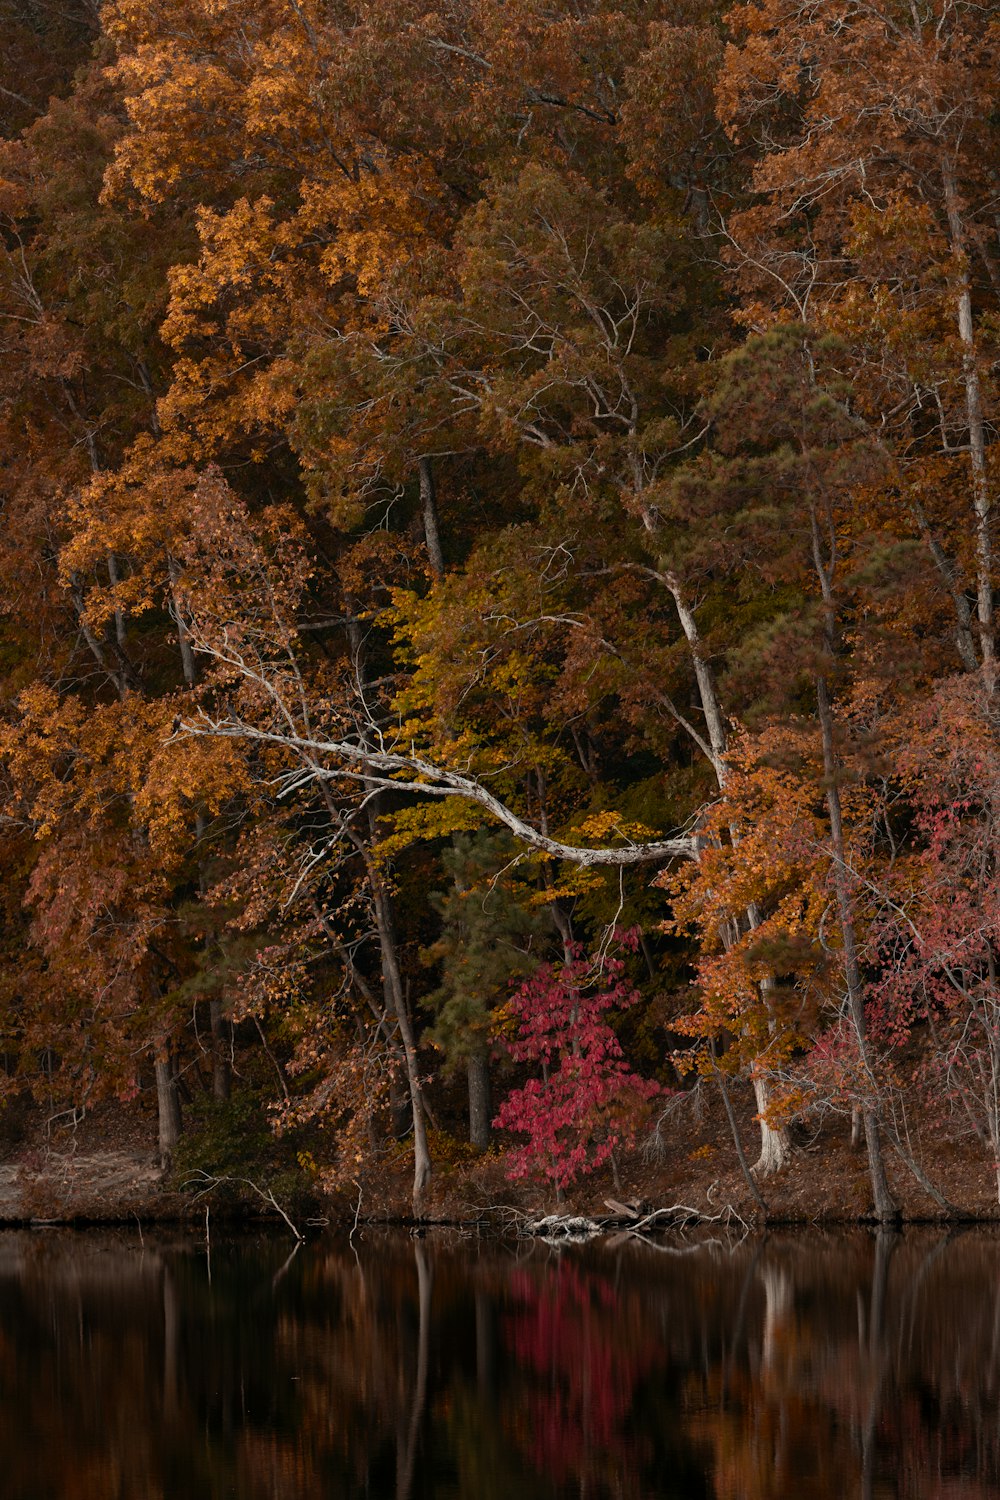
point(937, 926)
point(587, 1101)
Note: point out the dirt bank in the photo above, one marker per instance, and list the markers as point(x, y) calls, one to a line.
point(104, 1167)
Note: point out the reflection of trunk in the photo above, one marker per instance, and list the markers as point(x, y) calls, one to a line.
point(776, 1371)
point(406, 1451)
point(168, 1105)
point(478, 1069)
point(171, 1340)
point(778, 1302)
point(886, 1241)
point(885, 1244)
point(735, 1342)
point(486, 1348)
point(885, 1206)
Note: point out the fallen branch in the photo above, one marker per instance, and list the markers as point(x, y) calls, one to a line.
point(562, 1227)
point(623, 1217)
point(265, 1194)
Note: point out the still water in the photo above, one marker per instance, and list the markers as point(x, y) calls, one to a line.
point(835, 1365)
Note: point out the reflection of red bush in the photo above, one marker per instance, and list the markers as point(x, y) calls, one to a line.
point(569, 1331)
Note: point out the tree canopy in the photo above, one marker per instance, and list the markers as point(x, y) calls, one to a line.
point(475, 482)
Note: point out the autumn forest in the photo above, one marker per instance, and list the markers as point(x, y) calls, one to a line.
point(497, 585)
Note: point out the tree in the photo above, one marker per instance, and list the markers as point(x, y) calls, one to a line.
point(874, 150)
point(588, 1102)
point(933, 913)
point(489, 930)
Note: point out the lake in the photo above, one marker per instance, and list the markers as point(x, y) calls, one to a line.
point(796, 1365)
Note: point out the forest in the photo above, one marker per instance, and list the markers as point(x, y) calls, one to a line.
point(497, 581)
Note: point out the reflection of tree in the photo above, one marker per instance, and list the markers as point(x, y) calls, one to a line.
point(828, 1367)
point(574, 1333)
point(770, 1424)
point(171, 1324)
point(868, 1377)
point(408, 1424)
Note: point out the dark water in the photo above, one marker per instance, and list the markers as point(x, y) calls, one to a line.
point(816, 1366)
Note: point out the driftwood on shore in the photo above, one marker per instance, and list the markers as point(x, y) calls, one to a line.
point(631, 1218)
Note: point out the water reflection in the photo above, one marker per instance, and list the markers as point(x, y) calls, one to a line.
point(823, 1366)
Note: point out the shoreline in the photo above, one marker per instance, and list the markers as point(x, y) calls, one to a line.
point(106, 1172)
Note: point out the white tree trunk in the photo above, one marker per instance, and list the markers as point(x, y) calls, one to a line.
point(775, 1145)
point(168, 1106)
point(981, 498)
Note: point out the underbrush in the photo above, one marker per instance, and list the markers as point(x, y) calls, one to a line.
point(230, 1149)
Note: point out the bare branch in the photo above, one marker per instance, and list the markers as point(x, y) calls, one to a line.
point(412, 773)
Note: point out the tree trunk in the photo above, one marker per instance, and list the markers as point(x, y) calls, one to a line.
point(168, 1105)
point(991, 1100)
point(707, 692)
point(964, 642)
point(183, 638)
point(395, 997)
point(428, 505)
point(397, 1000)
point(399, 1098)
point(886, 1210)
point(885, 1206)
point(775, 1146)
point(480, 1113)
point(977, 430)
point(856, 1128)
point(221, 1070)
point(113, 575)
point(734, 1128)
